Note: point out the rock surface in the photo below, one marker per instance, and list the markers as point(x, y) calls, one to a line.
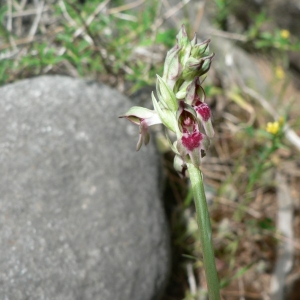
point(80, 210)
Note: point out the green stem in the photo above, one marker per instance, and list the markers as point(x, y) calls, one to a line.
point(205, 232)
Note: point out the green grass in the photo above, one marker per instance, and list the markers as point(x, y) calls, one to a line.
point(103, 49)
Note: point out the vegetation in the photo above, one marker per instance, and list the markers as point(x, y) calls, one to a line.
point(124, 46)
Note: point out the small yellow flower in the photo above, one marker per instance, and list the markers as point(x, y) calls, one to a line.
point(279, 72)
point(273, 128)
point(285, 34)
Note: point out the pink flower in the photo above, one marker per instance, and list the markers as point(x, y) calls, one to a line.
point(204, 114)
point(192, 140)
point(193, 143)
point(144, 118)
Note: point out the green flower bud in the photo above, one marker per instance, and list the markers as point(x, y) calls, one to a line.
point(200, 50)
point(185, 45)
point(191, 68)
point(172, 67)
point(182, 38)
point(196, 67)
point(194, 40)
point(206, 64)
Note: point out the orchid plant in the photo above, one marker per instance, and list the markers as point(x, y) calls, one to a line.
point(182, 109)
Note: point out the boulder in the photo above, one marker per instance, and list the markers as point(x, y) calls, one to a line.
point(80, 210)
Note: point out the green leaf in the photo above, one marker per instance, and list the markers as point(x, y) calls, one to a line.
point(166, 95)
point(166, 116)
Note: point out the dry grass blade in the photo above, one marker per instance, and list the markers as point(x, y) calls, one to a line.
point(9, 26)
point(27, 12)
point(285, 250)
point(227, 35)
point(169, 14)
point(9, 16)
point(191, 279)
point(199, 16)
point(36, 21)
point(91, 18)
point(19, 42)
point(241, 102)
point(65, 13)
point(118, 9)
point(250, 211)
point(126, 17)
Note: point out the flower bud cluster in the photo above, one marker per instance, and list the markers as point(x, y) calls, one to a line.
point(181, 103)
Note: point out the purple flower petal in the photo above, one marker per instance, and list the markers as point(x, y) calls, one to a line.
point(204, 111)
point(192, 141)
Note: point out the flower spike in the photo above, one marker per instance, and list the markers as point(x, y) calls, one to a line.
point(180, 105)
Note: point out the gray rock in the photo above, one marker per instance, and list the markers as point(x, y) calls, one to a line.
point(80, 210)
